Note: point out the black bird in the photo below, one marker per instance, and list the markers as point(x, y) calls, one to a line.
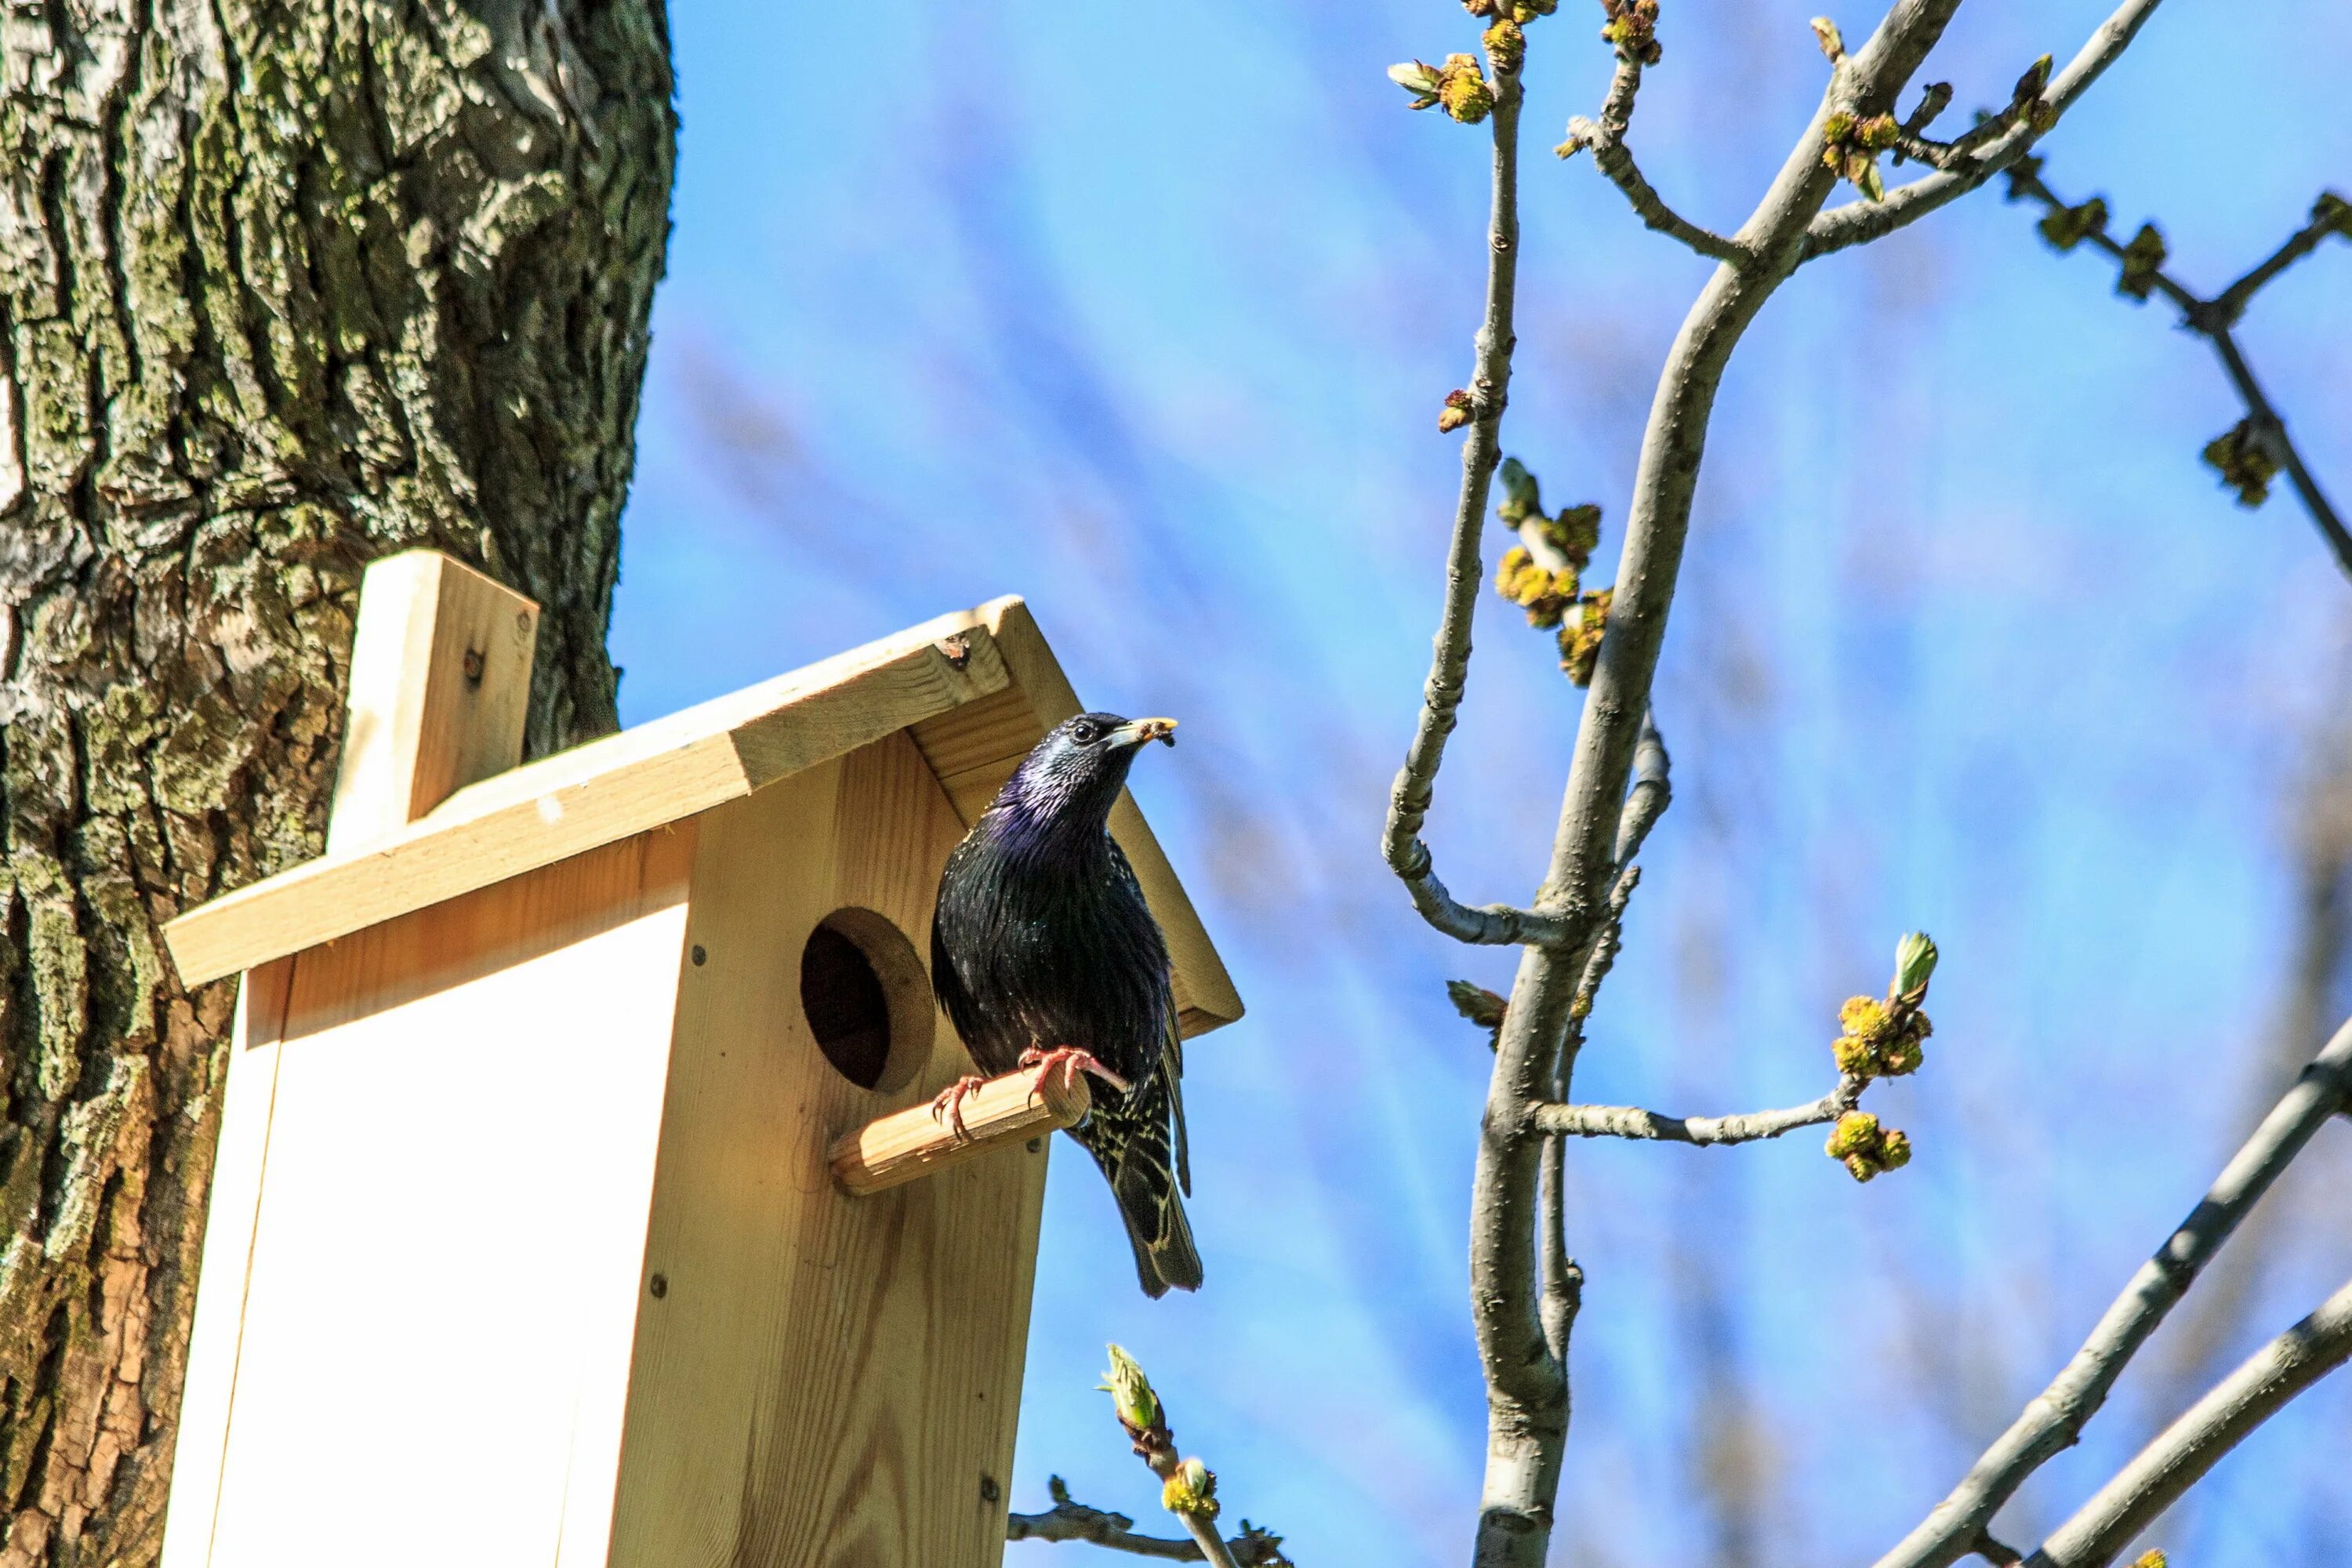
point(1044, 956)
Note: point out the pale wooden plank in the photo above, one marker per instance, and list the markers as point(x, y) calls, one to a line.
point(440, 687)
point(595, 794)
point(445, 1270)
point(824, 1380)
point(922, 1140)
point(250, 1080)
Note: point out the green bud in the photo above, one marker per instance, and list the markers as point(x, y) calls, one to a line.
point(2069, 227)
point(1423, 80)
point(1505, 45)
point(1853, 1055)
point(2150, 1559)
point(1633, 30)
point(2141, 259)
point(1192, 1490)
point(1866, 1018)
point(1576, 532)
point(1475, 1003)
point(2333, 211)
point(1456, 412)
point(1522, 496)
point(1580, 643)
point(1856, 1132)
point(2244, 461)
point(1131, 1392)
point(1914, 962)
point(2029, 85)
point(1826, 34)
point(1463, 89)
point(1525, 11)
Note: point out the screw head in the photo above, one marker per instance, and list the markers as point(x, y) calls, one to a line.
point(658, 1285)
point(1036, 1146)
point(699, 955)
point(988, 1489)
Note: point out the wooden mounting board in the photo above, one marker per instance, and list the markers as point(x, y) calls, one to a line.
point(823, 1379)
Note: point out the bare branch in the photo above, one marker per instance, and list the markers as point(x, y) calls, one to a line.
point(1527, 1390)
point(2180, 1456)
point(1415, 787)
point(1605, 138)
point(2230, 302)
point(1562, 1278)
point(2212, 321)
point(1068, 1521)
point(1857, 223)
point(1629, 1122)
point(2273, 429)
point(2055, 1417)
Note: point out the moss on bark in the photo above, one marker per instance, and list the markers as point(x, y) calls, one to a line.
point(282, 288)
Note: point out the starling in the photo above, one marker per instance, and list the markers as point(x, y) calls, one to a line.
point(1044, 956)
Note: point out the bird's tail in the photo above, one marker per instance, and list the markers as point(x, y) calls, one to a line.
point(1157, 1229)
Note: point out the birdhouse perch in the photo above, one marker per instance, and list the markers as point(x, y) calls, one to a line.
point(565, 1207)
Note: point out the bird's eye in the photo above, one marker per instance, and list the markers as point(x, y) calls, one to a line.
point(1085, 734)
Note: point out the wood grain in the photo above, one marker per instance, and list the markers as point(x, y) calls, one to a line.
point(440, 687)
point(821, 1380)
point(594, 795)
point(206, 1397)
point(919, 1141)
point(441, 1282)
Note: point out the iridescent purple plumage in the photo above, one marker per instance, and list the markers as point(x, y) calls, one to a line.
point(1042, 940)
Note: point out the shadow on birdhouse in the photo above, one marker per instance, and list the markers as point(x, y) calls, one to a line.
point(566, 1205)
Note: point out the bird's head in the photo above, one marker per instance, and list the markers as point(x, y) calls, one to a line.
point(1076, 772)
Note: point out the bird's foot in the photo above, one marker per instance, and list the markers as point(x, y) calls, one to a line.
point(947, 1109)
point(1069, 1061)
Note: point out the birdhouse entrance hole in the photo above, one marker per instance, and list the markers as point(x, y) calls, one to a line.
point(867, 998)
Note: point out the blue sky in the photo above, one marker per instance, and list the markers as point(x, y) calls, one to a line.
point(1144, 311)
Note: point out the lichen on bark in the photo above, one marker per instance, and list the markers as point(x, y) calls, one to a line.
point(282, 288)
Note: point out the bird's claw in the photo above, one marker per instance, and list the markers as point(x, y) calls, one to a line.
point(1069, 1061)
point(947, 1109)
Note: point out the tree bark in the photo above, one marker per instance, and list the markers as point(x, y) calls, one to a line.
point(283, 288)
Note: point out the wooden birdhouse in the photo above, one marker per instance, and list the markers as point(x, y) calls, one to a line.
point(532, 1236)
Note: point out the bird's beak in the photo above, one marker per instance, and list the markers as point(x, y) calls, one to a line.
point(1135, 732)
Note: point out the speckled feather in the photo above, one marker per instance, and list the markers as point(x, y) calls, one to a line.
point(1043, 939)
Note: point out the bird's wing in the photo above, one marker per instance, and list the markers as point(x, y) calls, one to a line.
point(1172, 1057)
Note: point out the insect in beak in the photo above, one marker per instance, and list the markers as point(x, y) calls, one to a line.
point(1135, 732)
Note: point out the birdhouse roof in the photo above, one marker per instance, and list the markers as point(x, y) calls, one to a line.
point(976, 690)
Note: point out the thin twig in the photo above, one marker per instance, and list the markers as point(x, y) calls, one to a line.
point(2055, 1417)
point(1069, 1520)
point(2230, 302)
point(1630, 1121)
point(1409, 798)
point(2181, 1455)
point(1562, 1278)
point(1527, 1387)
point(1859, 221)
point(2274, 431)
point(1605, 138)
point(2212, 319)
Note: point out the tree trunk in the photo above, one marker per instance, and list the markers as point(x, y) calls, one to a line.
point(283, 288)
